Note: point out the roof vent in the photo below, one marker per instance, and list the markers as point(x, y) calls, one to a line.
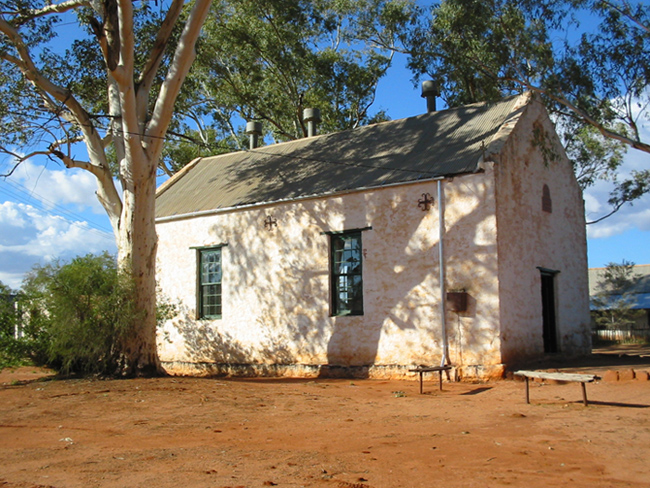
point(430, 91)
point(254, 131)
point(312, 117)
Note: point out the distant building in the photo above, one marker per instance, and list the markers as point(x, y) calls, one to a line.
point(455, 236)
point(9, 304)
point(638, 295)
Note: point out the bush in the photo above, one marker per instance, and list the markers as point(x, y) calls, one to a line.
point(77, 315)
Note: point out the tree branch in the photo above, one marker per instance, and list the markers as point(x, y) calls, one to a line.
point(636, 144)
point(562, 100)
point(179, 68)
point(617, 207)
point(628, 14)
point(77, 115)
point(123, 75)
point(44, 86)
point(26, 16)
point(20, 158)
point(155, 57)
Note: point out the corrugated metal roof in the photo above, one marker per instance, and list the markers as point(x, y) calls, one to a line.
point(443, 143)
point(637, 301)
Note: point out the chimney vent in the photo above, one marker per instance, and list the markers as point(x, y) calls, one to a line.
point(312, 117)
point(430, 91)
point(254, 131)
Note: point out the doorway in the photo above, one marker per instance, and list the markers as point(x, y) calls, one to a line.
point(549, 324)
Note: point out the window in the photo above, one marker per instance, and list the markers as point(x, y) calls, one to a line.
point(347, 283)
point(547, 203)
point(209, 300)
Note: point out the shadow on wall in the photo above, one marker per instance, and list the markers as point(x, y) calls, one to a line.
point(471, 262)
point(271, 275)
point(286, 292)
point(275, 311)
point(219, 352)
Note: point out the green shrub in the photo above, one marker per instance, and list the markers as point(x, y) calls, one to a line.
point(76, 315)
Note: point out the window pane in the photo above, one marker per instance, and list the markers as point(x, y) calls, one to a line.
point(210, 283)
point(356, 294)
point(347, 283)
point(211, 266)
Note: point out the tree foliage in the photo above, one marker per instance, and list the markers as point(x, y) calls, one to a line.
point(268, 60)
point(589, 61)
point(77, 315)
point(103, 105)
point(614, 301)
point(7, 310)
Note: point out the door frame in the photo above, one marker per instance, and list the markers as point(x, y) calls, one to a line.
point(548, 290)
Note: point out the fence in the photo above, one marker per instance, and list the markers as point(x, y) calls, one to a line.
point(634, 335)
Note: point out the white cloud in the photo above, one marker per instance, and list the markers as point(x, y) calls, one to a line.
point(58, 186)
point(29, 236)
point(629, 217)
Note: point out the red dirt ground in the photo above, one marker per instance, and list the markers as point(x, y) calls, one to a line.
point(193, 432)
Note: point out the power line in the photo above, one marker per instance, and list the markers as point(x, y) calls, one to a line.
point(18, 193)
point(351, 163)
point(73, 223)
point(62, 210)
point(168, 137)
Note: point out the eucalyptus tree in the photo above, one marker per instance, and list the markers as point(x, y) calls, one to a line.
point(614, 302)
point(588, 60)
point(267, 60)
point(110, 94)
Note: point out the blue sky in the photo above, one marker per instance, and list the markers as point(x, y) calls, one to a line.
point(49, 212)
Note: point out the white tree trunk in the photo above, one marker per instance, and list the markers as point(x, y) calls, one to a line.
point(137, 135)
point(137, 255)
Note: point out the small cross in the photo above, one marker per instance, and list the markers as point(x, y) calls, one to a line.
point(425, 202)
point(270, 222)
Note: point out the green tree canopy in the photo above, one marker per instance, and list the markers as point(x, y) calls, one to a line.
point(11, 352)
point(588, 60)
point(268, 60)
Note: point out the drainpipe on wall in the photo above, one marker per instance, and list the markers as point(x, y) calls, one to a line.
point(443, 296)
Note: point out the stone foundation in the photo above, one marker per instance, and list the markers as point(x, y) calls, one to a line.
point(390, 371)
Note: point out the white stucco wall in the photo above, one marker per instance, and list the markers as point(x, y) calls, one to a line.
point(276, 284)
point(530, 238)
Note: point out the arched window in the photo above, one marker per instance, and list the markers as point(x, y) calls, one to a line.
point(547, 203)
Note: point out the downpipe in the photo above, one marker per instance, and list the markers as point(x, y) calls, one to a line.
point(441, 265)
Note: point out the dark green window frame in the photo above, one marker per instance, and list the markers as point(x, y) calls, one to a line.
point(209, 275)
point(346, 273)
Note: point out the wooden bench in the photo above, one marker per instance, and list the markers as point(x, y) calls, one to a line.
point(430, 369)
point(569, 377)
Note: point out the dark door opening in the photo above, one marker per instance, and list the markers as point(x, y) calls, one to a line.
point(549, 327)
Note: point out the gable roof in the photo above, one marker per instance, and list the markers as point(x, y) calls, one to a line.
point(445, 143)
